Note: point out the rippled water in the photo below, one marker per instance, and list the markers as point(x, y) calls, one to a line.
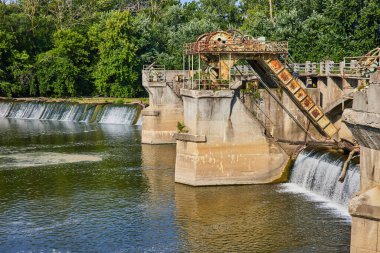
point(126, 200)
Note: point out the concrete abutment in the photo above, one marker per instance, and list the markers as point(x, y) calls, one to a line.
point(165, 108)
point(225, 144)
point(364, 122)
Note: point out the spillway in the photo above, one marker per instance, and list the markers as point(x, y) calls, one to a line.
point(104, 114)
point(318, 172)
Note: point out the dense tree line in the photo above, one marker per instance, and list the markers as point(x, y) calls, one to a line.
point(97, 47)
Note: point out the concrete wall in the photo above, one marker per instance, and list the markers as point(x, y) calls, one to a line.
point(364, 122)
point(333, 89)
point(225, 143)
point(276, 120)
point(164, 111)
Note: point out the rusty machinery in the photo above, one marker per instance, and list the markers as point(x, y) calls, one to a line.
point(362, 66)
point(221, 50)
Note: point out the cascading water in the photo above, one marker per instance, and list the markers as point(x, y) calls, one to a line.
point(26, 111)
point(117, 115)
point(318, 172)
point(105, 114)
point(4, 109)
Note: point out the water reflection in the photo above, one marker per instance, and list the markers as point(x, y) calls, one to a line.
point(255, 219)
point(128, 201)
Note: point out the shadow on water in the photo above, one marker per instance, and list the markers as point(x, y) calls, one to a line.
point(128, 201)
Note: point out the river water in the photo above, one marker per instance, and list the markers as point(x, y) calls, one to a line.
point(77, 187)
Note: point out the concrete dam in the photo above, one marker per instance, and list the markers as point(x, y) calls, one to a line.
point(72, 112)
point(241, 111)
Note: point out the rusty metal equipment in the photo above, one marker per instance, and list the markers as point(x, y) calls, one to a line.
point(221, 50)
point(362, 66)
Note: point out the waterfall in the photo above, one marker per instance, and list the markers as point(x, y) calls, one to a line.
point(4, 109)
point(26, 111)
point(117, 115)
point(104, 114)
point(318, 171)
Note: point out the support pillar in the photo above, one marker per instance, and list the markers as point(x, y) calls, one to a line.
point(364, 122)
point(224, 144)
point(165, 109)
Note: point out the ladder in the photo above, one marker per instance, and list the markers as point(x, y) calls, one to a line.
point(298, 94)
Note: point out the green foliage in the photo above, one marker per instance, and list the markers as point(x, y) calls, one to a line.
point(97, 48)
point(15, 68)
point(113, 39)
point(256, 94)
point(317, 29)
point(119, 101)
point(62, 71)
point(181, 127)
point(184, 33)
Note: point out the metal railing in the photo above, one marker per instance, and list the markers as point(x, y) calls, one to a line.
point(156, 73)
point(329, 68)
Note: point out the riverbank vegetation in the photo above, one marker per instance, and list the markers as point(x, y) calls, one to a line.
point(81, 100)
point(61, 48)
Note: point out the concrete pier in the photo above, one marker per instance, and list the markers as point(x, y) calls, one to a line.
point(364, 122)
point(241, 124)
point(165, 106)
point(224, 143)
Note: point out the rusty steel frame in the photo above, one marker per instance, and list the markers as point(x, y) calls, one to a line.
point(239, 47)
point(227, 47)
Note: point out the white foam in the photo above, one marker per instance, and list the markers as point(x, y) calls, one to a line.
point(118, 115)
point(319, 171)
point(323, 202)
point(23, 160)
point(112, 114)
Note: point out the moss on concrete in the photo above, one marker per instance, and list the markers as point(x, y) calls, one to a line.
point(95, 114)
point(286, 172)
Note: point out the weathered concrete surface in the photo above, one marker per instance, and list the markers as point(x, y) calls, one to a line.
point(164, 111)
point(367, 204)
point(365, 126)
point(152, 113)
point(160, 129)
point(364, 123)
point(365, 235)
point(190, 137)
point(333, 89)
point(369, 168)
point(236, 150)
point(276, 120)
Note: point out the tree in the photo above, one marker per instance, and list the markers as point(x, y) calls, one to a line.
point(63, 70)
point(15, 68)
point(227, 12)
point(98, 47)
point(367, 34)
point(114, 40)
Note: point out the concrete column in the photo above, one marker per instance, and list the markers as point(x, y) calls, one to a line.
point(308, 67)
point(296, 67)
point(334, 90)
point(342, 68)
point(364, 122)
point(322, 69)
point(314, 68)
point(164, 111)
point(223, 143)
point(329, 67)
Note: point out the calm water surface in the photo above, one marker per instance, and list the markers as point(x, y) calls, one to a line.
point(120, 196)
